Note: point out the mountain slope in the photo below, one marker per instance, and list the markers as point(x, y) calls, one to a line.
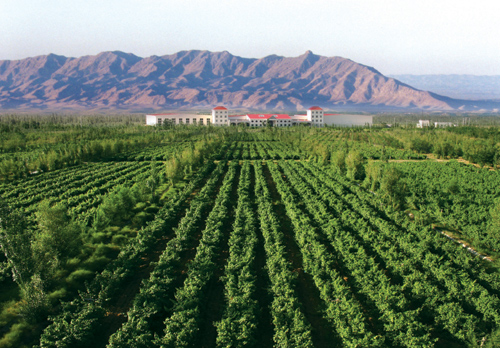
point(190, 79)
point(457, 86)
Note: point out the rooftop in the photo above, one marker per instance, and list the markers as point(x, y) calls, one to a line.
point(268, 116)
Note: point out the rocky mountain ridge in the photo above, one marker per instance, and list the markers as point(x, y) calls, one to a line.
point(201, 79)
point(473, 87)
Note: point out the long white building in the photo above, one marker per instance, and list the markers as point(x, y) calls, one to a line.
point(314, 116)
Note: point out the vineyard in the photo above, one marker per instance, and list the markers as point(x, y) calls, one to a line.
point(232, 238)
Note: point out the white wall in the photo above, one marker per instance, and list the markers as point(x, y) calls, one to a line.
point(150, 120)
point(316, 117)
point(348, 120)
point(222, 119)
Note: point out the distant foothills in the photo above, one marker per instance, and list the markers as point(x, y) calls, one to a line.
point(202, 79)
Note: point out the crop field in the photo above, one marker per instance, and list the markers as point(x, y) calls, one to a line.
point(242, 238)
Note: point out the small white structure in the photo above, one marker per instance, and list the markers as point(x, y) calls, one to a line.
point(423, 123)
point(444, 124)
point(314, 116)
point(346, 120)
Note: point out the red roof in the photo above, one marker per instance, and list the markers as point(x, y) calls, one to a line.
point(315, 108)
point(220, 108)
point(268, 116)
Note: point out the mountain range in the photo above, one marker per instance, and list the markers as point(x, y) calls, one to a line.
point(474, 87)
point(201, 79)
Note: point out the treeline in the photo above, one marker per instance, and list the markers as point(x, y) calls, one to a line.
point(451, 144)
point(56, 150)
point(411, 120)
point(17, 122)
point(20, 166)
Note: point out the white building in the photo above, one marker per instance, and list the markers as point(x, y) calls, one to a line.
point(314, 116)
point(346, 120)
point(261, 120)
point(220, 116)
point(444, 124)
point(423, 123)
point(173, 118)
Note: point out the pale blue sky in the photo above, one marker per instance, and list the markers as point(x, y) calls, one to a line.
point(393, 36)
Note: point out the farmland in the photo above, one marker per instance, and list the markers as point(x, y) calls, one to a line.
point(128, 236)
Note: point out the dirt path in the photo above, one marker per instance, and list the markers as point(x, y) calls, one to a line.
point(432, 157)
point(263, 283)
point(214, 307)
point(465, 245)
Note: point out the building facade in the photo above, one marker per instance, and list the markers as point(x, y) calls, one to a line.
point(314, 116)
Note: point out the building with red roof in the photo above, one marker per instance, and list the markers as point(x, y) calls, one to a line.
point(314, 116)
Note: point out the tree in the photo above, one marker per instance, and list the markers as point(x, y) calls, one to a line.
point(373, 172)
point(15, 243)
point(338, 161)
point(58, 237)
point(392, 187)
point(152, 182)
point(35, 303)
point(355, 165)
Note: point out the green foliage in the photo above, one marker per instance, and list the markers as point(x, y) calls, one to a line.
point(492, 341)
point(495, 220)
point(420, 145)
point(15, 241)
point(58, 237)
point(355, 165)
point(17, 332)
point(79, 277)
point(382, 278)
point(373, 177)
point(392, 187)
point(74, 330)
point(35, 305)
point(116, 208)
point(338, 161)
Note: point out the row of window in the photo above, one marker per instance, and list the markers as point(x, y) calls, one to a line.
point(185, 120)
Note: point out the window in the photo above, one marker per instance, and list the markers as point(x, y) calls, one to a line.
point(187, 120)
point(180, 120)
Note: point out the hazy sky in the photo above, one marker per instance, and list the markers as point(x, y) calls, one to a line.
point(393, 36)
